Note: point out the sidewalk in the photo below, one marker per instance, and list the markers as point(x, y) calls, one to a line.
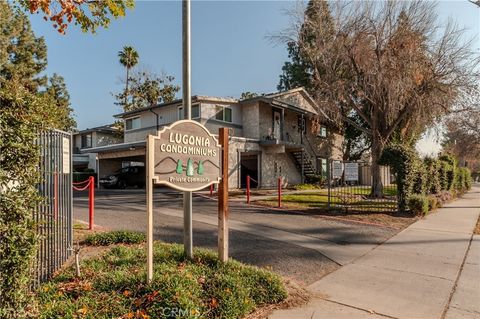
point(429, 270)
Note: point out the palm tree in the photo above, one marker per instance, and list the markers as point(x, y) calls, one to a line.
point(128, 58)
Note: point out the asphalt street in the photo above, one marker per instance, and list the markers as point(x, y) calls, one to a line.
point(293, 244)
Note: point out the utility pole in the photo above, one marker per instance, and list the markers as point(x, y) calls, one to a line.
point(187, 109)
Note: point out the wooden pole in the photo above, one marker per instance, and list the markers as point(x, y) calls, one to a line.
point(223, 198)
point(279, 185)
point(149, 184)
point(248, 189)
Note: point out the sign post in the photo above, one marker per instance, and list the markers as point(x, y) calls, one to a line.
point(185, 157)
point(223, 198)
point(187, 109)
point(149, 186)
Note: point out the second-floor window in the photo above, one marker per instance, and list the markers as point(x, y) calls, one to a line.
point(87, 140)
point(223, 113)
point(322, 132)
point(195, 112)
point(132, 123)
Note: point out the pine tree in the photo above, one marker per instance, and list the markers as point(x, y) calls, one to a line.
point(298, 71)
point(179, 167)
point(200, 168)
point(57, 89)
point(190, 169)
point(23, 56)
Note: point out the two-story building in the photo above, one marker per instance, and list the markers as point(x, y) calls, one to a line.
point(283, 134)
point(85, 140)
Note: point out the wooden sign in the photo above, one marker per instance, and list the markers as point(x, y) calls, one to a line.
point(186, 156)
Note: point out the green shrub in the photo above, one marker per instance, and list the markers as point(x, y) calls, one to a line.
point(409, 171)
point(418, 204)
point(432, 183)
point(460, 182)
point(23, 115)
point(450, 171)
point(443, 169)
point(113, 286)
point(468, 179)
point(115, 237)
point(420, 180)
point(432, 202)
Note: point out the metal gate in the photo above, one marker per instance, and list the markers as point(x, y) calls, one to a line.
point(53, 216)
point(350, 185)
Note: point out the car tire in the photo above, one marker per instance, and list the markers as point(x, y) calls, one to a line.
point(122, 184)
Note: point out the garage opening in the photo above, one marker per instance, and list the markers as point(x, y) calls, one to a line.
point(248, 166)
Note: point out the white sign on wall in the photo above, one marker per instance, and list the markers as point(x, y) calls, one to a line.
point(66, 156)
point(351, 171)
point(337, 169)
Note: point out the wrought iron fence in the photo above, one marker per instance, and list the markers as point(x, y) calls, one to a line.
point(53, 216)
point(350, 184)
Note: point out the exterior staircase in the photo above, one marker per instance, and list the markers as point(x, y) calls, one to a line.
point(309, 166)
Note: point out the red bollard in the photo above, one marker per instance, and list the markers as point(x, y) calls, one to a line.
point(248, 189)
point(91, 201)
point(211, 190)
point(279, 192)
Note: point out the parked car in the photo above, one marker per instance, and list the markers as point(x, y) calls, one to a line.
point(124, 177)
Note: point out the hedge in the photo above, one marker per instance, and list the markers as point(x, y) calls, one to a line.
point(421, 178)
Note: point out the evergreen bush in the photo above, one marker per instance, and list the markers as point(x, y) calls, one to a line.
point(418, 204)
point(408, 168)
point(432, 171)
point(22, 116)
point(450, 171)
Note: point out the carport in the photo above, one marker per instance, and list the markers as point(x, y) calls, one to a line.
point(113, 157)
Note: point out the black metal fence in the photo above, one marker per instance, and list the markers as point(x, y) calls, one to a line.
point(54, 216)
point(350, 184)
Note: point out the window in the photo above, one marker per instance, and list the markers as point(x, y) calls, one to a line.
point(322, 132)
point(132, 123)
point(195, 112)
point(87, 140)
point(180, 113)
point(223, 113)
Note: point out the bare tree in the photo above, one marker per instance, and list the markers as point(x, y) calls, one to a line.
point(462, 137)
point(390, 63)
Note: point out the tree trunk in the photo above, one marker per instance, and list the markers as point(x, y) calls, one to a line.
point(126, 90)
point(377, 149)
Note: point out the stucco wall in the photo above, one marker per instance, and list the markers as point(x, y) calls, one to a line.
point(276, 165)
point(236, 147)
point(265, 120)
point(208, 111)
point(251, 120)
point(331, 146)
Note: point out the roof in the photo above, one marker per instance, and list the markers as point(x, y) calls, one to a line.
point(195, 99)
point(287, 99)
point(113, 147)
point(102, 128)
point(283, 99)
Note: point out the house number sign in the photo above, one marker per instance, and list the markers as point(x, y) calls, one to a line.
point(185, 156)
